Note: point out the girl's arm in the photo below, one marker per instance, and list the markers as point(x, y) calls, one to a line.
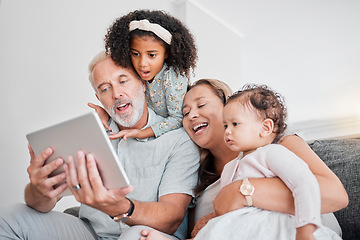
point(104, 117)
point(171, 95)
point(134, 133)
point(272, 194)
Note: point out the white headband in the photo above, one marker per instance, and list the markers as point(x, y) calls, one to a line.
point(152, 27)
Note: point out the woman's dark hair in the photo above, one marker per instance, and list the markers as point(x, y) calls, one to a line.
point(268, 104)
point(206, 170)
point(182, 52)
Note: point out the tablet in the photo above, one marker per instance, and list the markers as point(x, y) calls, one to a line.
point(84, 133)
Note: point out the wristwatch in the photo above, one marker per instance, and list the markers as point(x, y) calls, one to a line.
point(125, 216)
point(247, 189)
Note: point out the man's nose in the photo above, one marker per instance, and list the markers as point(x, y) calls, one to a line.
point(118, 92)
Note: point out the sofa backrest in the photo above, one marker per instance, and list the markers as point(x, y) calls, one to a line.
point(343, 158)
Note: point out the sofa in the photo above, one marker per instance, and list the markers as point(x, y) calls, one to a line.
point(343, 158)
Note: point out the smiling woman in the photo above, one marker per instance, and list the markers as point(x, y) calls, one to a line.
point(202, 109)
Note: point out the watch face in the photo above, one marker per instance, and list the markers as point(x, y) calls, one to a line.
point(247, 189)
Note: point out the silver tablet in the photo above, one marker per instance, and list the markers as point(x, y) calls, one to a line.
point(84, 133)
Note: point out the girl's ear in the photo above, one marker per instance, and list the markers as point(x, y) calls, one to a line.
point(267, 127)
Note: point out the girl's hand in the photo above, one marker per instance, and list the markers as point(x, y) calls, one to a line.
point(129, 133)
point(201, 223)
point(104, 117)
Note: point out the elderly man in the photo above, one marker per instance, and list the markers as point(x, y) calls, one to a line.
point(162, 172)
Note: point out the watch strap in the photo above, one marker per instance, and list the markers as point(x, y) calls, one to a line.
point(249, 201)
point(125, 216)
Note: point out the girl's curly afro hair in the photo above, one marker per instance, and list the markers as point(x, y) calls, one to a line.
point(182, 52)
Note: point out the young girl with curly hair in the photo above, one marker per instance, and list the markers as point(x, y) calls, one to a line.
point(162, 51)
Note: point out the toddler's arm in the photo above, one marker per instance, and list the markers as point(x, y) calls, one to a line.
point(297, 176)
point(134, 133)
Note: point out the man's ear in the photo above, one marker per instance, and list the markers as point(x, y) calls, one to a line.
point(267, 127)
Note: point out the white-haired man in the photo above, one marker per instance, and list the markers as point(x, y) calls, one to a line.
point(162, 171)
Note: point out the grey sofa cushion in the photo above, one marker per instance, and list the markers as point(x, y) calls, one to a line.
point(343, 158)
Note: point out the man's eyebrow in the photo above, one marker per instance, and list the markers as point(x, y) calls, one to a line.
point(123, 75)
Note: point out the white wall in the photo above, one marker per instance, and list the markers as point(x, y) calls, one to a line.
point(45, 48)
point(307, 50)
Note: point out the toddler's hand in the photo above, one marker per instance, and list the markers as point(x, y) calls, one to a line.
point(306, 232)
point(152, 235)
point(104, 117)
point(201, 223)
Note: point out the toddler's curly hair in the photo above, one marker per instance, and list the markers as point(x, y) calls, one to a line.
point(182, 52)
point(267, 103)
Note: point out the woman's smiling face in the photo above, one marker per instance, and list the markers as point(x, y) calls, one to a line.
point(202, 111)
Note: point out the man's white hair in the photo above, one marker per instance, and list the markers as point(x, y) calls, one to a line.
point(98, 58)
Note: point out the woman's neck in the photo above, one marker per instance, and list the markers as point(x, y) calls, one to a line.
point(222, 155)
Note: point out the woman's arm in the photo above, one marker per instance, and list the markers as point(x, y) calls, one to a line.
point(272, 194)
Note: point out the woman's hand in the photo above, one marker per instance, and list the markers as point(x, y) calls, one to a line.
point(229, 198)
point(201, 223)
point(92, 191)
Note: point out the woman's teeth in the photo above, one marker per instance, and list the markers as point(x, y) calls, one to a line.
point(197, 127)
